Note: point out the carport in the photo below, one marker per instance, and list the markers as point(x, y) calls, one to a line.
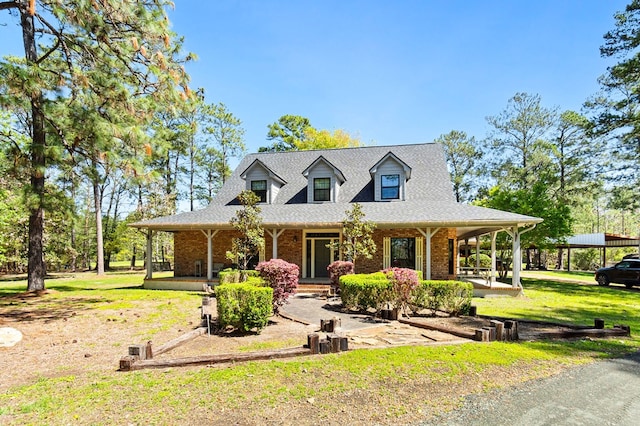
point(598, 240)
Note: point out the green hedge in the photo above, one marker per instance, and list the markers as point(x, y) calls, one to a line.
point(229, 275)
point(244, 306)
point(453, 297)
point(365, 291)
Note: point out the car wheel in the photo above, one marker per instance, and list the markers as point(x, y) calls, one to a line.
point(603, 280)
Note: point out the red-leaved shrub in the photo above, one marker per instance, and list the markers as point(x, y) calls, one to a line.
point(337, 269)
point(282, 277)
point(403, 281)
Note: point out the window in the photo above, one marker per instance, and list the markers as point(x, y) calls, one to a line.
point(390, 188)
point(322, 189)
point(451, 256)
point(403, 252)
point(259, 187)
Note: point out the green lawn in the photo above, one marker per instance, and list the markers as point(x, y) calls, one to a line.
point(379, 385)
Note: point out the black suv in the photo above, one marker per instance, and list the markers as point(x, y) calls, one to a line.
point(626, 272)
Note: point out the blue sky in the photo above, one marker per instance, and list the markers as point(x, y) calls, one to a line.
point(389, 72)
point(392, 72)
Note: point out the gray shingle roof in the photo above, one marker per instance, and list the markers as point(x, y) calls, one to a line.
point(429, 196)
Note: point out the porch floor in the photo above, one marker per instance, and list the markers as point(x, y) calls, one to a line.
point(482, 288)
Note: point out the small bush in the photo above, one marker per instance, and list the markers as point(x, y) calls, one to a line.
point(244, 306)
point(229, 275)
point(282, 277)
point(485, 261)
point(453, 297)
point(364, 291)
point(337, 269)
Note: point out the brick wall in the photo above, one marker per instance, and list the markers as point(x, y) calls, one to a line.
point(190, 246)
point(439, 251)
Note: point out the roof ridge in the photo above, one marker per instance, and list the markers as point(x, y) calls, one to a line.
point(342, 148)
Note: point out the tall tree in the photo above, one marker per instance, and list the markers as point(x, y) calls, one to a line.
point(117, 50)
point(295, 133)
point(617, 108)
point(462, 154)
point(287, 133)
point(519, 142)
point(208, 174)
point(226, 131)
point(574, 153)
point(325, 139)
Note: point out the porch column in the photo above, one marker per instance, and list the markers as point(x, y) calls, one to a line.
point(517, 259)
point(274, 240)
point(428, 233)
point(493, 256)
point(517, 255)
point(210, 234)
point(149, 257)
point(478, 254)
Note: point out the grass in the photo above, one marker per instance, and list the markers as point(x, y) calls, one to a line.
point(377, 385)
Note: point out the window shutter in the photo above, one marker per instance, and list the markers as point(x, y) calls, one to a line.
point(261, 254)
point(419, 253)
point(386, 253)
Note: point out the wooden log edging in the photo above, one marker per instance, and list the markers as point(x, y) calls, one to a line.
point(455, 331)
point(172, 344)
point(130, 363)
point(616, 331)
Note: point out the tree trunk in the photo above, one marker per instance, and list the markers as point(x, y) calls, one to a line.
point(97, 199)
point(133, 258)
point(36, 266)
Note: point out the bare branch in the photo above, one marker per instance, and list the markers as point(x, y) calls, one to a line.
point(9, 5)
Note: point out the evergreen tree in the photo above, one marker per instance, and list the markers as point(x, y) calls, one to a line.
point(116, 59)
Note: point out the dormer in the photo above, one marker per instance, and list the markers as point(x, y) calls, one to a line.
point(263, 181)
point(323, 181)
point(390, 176)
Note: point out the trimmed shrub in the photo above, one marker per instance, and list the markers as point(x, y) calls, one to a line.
point(364, 291)
point(244, 306)
point(282, 277)
point(453, 297)
point(337, 269)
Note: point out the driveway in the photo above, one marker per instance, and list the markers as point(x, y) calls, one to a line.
point(602, 393)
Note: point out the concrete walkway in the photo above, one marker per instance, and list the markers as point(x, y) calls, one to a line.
point(311, 308)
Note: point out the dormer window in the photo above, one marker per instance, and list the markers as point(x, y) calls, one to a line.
point(322, 189)
point(323, 181)
point(259, 187)
point(390, 189)
point(263, 181)
point(390, 176)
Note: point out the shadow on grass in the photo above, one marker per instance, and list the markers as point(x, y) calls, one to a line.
point(26, 307)
point(576, 289)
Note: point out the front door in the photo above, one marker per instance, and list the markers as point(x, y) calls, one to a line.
point(319, 253)
point(322, 257)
